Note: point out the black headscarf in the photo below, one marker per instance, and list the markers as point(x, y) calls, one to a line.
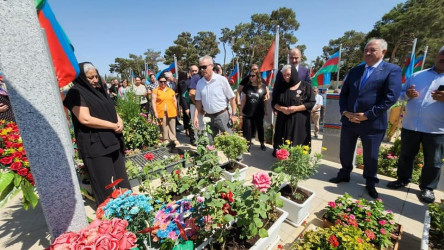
point(281, 85)
point(99, 103)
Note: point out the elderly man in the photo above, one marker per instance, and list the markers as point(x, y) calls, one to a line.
point(295, 57)
point(423, 123)
point(213, 93)
point(171, 82)
point(368, 92)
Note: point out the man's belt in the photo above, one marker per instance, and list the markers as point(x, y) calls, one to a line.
point(215, 114)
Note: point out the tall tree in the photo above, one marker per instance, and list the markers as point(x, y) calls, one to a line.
point(152, 58)
point(250, 41)
point(421, 19)
point(206, 44)
point(184, 50)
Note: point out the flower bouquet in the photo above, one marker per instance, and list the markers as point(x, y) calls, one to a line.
point(98, 235)
point(15, 174)
point(337, 237)
point(370, 216)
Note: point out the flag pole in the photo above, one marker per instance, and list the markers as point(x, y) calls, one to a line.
point(238, 74)
point(175, 67)
point(412, 56)
point(276, 54)
point(339, 62)
point(425, 55)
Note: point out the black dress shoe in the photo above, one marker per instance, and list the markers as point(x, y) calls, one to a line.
point(339, 179)
point(427, 196)
point(263, 148)
point(274, 153)
point(372, 192)
point(397, 184)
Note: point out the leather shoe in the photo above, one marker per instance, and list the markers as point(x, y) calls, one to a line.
point(427, 196)
point(339, 179)
point(372, 191)
point(397, 184)
point(263, 148)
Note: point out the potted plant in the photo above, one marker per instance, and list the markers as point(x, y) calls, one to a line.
point(370, 216)
point(296, 164)
point(233, 146)
point(433, 227)
point(337, 237)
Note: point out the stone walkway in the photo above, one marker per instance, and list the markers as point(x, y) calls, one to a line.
point(20, 229)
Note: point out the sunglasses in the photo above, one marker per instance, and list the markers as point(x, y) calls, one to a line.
point(162, 81)
point(252, 75)
point(204, 66)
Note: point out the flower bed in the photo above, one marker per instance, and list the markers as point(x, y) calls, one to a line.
point(15, 174)
point(370, 216)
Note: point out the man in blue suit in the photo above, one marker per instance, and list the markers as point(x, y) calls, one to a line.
point(368, 92)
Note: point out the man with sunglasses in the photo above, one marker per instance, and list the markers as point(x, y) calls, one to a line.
point(213, 93)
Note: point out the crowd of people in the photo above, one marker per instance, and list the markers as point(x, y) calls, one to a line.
point(203, 96)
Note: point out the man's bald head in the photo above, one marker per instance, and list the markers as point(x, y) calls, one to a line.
point(295, 56)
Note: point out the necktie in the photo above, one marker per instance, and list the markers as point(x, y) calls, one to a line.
point(367, 73)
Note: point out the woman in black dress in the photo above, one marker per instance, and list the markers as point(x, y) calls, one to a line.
point(293, 100)
point(98, 130)
point(253, 108)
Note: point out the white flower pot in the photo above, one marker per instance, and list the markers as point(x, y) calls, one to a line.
point(425, 232)
point(273, 234)
point(242, 173)
point(297, 213)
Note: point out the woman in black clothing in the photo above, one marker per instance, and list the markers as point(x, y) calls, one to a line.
point(293, 100)
point(5, 106)
point(253, 108)
point(98, 130)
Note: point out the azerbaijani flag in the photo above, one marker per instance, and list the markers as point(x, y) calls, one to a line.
point(1, 76)
point(407, 70)
point(171, 68)
point(418, 64)
point(268, 76)
point(62, 52)
point(331, 65)
point(323, 79)
point(234, 77)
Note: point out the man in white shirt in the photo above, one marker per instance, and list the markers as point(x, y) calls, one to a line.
point(140, 91)
point(316, 111)
point(213, 93)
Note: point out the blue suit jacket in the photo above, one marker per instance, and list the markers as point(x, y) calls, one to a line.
point(379, 93)
point(303, 74)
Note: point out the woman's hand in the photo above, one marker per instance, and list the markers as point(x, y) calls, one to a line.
point(119, 125)
point(3, 107)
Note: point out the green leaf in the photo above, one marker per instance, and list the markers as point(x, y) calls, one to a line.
point(29, 195)
point(17, 179)
point(258, 222)
point(8, 195)
point(263, 233)
point(5, 180)
point(228, 218)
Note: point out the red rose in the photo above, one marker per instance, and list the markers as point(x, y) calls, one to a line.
point(30, 177)
point(8, 144)
point(23, 172)
point(149, 156)
point(1, 151)
point(282, 154)
point(104, 227)
point(64, 240)
point(230, 196)
point(17, 155)
point(16, 165)
point(6, 160)
point(17, 145)
point(333, 241)
point(180, 156)
point(226, 208)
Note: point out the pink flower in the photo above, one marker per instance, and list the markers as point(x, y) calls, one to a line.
point(127, 241)
point(149, 156)
point(210, 147)
point(119, 227)
point(282, 154)
point(200, 199)
point(382, 222)
point(64, 240)
point(172, 235)
point(352, 217)
point(332, 204)
point(144, 115)
point(370, 234)
point(106, 241)
point(262, 181)
point(382, 230)
point(105, 227)
point(359, 151)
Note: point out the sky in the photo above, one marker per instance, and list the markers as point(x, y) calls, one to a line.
point(101, 30)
